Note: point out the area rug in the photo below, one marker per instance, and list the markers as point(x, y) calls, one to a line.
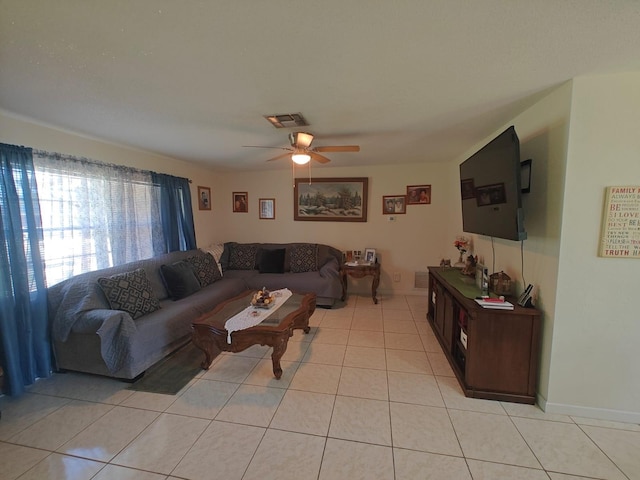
point(171, 374)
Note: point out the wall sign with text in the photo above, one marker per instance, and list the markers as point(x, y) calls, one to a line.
point(621, 222)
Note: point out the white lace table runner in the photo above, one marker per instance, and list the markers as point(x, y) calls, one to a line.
point(252, 316)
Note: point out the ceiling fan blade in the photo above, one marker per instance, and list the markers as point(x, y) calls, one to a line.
point(338, 148)
point(317, 157)
point(260, 146)
point(279, 157)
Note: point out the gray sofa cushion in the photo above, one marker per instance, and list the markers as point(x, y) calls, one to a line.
point(180, 279)
point(130, 292)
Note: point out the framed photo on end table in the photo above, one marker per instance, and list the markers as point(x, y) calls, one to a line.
point(370, 255)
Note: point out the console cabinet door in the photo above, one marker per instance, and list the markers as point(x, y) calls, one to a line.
point(447, 332)
point(440, 309)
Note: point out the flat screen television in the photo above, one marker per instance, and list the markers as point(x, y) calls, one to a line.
point(490, 186)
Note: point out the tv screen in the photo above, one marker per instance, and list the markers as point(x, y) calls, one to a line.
point(491, 192)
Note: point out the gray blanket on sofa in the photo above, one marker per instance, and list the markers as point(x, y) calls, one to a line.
point(80, 306)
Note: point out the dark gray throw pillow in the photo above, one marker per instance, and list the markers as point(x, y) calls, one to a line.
point(242, 257)
point(303, 258)
point(179, 279)
point(205, 268)
point(271, 261)
point(131, 292)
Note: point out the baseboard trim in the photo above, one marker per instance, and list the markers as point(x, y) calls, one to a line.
point(589, 412)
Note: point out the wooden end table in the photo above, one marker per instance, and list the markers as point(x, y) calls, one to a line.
point(360, 271)
point(210, 336)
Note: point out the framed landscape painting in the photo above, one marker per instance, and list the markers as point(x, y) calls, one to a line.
point(330, 199)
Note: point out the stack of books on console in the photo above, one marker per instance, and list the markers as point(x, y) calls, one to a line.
point(497, 303)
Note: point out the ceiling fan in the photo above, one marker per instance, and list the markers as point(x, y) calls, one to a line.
point(301, 151)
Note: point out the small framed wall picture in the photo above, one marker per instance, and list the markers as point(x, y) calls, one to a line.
point(418, 194)
point(370, 255)
point(240, 202)
point(267, 208)
point(204, 198)
point(394, 204)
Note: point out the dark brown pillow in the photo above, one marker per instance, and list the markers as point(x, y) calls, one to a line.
point(271, 261)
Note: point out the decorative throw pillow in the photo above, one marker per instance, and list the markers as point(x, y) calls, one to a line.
point(180, 279)
point(131, 292)
point(216, 249)
point(271, 261)
point(303, 258)
point(243, 257)
point(205, 268)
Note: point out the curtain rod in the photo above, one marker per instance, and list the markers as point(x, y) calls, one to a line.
point(65, 156)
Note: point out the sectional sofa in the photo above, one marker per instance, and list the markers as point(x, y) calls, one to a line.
point(119, 321)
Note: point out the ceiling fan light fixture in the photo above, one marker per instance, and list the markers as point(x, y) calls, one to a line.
point(301, 158)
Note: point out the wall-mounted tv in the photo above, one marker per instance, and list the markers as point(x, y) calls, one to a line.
point(490, 186)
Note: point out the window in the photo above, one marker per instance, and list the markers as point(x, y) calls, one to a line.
point(96, 215)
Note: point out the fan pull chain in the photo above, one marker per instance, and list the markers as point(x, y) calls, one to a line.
point(309, 172)
point(293, 174)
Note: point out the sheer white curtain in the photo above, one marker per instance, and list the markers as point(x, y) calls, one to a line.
point(95, 215)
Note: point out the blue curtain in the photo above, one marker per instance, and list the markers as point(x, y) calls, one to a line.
point(176, 212)
point(25, 347)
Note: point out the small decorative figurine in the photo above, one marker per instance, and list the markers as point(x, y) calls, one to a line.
point(470, 266)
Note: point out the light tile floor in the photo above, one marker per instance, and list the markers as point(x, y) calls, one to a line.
point(367, 394)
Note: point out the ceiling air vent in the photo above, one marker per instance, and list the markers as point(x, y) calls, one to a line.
point(287, 120)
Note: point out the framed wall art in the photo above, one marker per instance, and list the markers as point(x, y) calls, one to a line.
point(204, 198)
point(394, 204)
point(330, 199)
point(620, 234)
point(267, 208)
point(418, 194)
point(240, 202)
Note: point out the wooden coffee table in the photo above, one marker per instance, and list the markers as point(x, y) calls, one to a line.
point(210, 336)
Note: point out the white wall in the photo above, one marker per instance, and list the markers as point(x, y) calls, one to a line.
point(594, 360)
point(582, 138)
point(543, 131)
point(412, 242)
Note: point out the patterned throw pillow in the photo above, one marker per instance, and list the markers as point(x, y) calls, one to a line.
point(303, 258)
point(205, 268)
point(131, 292)
point(243, 257)
point(179, 279)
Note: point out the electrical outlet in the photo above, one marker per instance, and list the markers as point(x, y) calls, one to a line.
point(392, 218)
point(396, 276)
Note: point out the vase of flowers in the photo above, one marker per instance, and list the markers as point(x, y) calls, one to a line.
point(462, 244)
